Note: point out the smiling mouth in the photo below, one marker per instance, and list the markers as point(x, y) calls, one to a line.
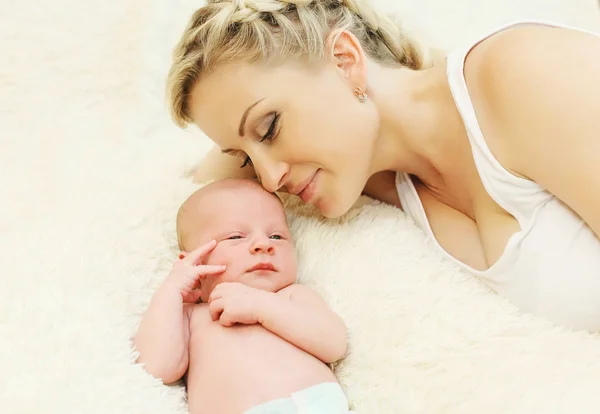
point(263, 266)
point(298, 190)
point(308, 193)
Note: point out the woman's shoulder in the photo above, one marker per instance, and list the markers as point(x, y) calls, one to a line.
point(532, 35)
point(522, 52)
point(532, 73)
point(538, 87)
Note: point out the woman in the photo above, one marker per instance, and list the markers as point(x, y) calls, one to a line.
point(492, 151)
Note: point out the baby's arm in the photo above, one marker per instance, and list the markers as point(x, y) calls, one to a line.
point(300, 316)
point(163, 335)
point(297, 314)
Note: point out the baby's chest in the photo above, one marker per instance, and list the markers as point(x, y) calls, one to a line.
point(206, 333)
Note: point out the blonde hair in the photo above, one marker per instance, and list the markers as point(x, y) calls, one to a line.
point(263, 30)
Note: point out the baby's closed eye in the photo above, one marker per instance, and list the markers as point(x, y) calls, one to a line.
point(231, 236)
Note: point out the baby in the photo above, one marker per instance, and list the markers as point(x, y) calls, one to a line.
point(258, 342)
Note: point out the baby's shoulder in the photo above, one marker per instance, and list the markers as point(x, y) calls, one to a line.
point(301, 293)
point(288, 290)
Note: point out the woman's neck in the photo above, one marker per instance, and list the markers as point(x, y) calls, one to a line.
point(420, 127)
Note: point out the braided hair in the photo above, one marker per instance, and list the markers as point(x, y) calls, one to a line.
point(265, 30)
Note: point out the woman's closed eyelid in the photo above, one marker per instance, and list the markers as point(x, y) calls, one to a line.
point(269, 126)
point(242, 156)
point(264, 124)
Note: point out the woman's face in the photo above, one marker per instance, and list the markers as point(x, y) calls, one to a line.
point(301, 127)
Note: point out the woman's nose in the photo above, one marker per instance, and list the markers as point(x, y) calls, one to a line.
point(271, 173)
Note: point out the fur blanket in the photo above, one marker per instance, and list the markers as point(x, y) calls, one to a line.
point(92, 173)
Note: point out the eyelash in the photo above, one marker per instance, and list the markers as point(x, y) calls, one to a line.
point(268, 136)
point(236, 237)
point(247, 161)
point(272, 128)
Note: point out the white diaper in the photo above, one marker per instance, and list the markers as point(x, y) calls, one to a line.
point(325, 398)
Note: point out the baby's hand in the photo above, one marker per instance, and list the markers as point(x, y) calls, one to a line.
point(188, 270)
point(233, 303)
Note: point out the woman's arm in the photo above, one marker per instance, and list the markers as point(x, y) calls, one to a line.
point(540, 89)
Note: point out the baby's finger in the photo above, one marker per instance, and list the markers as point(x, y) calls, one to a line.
point(198, 253)
point(195, 295)
point(226, 320)
point(215, 308)
point(190, 282)
point(209, 270)
point(215, 294)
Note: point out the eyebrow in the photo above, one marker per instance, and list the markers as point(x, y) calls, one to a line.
point(242, 126)
point(245, 116)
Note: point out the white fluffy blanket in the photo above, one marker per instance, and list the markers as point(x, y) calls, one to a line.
point(92, 172)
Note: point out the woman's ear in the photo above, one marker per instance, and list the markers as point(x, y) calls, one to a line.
point(346, 52)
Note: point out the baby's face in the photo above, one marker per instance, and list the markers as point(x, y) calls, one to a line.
point(253, 239)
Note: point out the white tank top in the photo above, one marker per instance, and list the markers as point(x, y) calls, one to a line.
point(551, 267)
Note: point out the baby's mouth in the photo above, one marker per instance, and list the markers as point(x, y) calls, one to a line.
point(268, 266)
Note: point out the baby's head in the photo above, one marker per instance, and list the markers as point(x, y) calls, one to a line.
point(250, 227)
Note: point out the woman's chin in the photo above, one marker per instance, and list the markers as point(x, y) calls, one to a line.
point(333, 210)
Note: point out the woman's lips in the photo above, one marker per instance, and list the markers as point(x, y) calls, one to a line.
point(309, 191)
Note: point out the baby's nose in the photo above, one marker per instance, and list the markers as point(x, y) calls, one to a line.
point(262, 246)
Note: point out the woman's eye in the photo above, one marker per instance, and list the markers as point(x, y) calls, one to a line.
point(270, 134)
point(247, 161)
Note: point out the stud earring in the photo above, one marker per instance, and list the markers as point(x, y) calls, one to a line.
point(360, 94)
